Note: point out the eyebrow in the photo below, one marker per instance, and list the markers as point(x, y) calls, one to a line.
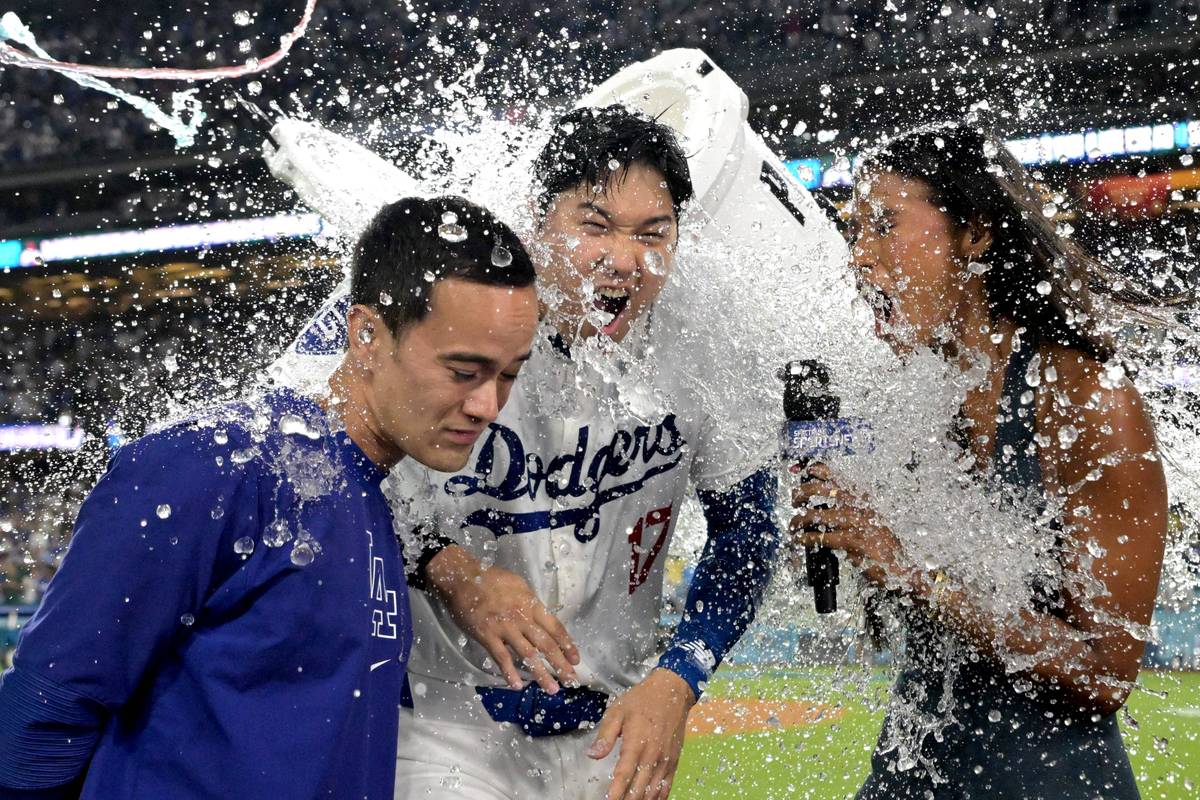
point(590, 206)
point(478, 358)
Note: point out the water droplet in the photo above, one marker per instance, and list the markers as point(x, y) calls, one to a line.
point(654, 262)
point(291, 424)
point(241, 18)
point(1067, 435)
point(365, 335)
point(277, 534)
point(990, 149)
point(501, 257)
point(254, 88)
point(170, 364)
point(1049, 210)
point(302, 554)
point(978, 267)
point(220, 436)
point(217, 512)
point(1186, 159)
point(188, 620)
point(163, 511)
point(613, 165)
point(452, 233)
point(243, 455)
point(1043, 288)
point(993, 716)
point(385, 299)
point(244, 546)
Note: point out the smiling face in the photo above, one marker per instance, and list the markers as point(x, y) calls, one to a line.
point(910, 261)
point(431, 390)
point(609, 253)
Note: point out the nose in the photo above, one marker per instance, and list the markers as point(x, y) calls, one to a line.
point(622, 258)
point(484, 402)
point(862, 260)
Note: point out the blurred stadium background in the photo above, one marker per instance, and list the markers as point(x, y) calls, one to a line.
point(135, 278)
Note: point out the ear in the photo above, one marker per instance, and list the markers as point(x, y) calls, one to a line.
point(364, 328)
point(976, 238)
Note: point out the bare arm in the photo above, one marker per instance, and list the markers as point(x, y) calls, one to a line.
point(1116, 517)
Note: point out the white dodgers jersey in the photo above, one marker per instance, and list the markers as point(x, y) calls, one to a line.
point(582, 506)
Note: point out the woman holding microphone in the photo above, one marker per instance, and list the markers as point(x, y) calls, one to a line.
point(951, 249)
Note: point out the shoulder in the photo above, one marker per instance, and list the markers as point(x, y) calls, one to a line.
point(232, 439)
point(1091, 410)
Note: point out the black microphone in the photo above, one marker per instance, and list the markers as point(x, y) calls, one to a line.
point(810, 409)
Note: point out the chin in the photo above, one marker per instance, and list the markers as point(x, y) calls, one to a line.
point(443, 459)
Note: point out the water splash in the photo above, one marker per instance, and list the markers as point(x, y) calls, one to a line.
point(186, 116)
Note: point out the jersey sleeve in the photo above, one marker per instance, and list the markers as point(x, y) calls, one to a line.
point(730, 579)
point(148, 543)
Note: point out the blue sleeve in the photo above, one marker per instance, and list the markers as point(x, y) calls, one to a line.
point(730, 579)
point(149, 541)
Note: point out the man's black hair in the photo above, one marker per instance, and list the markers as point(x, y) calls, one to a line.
point(413, 243)
point(585, 141)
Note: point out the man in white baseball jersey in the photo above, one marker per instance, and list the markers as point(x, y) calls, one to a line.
point(551, 544)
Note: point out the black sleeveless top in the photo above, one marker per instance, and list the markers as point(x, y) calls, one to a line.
point(994, 734)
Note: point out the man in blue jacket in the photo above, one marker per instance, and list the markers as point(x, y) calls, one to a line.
point(232, 615)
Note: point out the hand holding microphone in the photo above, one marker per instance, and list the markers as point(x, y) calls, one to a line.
point(807, 404)
point(814, 431)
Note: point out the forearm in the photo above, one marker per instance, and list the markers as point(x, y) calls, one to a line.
point(729, 581)
point(1059, 655)
point(47, 735)
point(451, 569)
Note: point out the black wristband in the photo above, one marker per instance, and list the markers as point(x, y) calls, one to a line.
point(431, 544)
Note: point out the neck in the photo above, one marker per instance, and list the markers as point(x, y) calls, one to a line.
point(348, 401)
point(974, 329)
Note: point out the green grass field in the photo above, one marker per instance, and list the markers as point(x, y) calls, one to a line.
point(829, 759)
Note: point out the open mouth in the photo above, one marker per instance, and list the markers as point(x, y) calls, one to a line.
point(880, 304)
point(610, 303)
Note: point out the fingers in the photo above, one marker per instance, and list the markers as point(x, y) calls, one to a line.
point(500, 654)
point(628, 770)
point(815, 470)
point(660, 782)
point(606, 734)
point(555, 628)
point(549, 636)
point(643, 777)
point(531, 660)
point(818, 493)
point(830, 520)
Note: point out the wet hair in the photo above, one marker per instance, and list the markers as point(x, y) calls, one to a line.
point(414, 243)
point(586, 140)
point(976, 181)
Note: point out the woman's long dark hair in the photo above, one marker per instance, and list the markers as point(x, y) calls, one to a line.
point(1038, 279)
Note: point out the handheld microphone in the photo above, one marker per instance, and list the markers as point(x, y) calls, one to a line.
point(813, 427)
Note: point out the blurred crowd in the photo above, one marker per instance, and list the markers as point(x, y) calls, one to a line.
point(110, 376)
point(80, 372)
point(359, 54)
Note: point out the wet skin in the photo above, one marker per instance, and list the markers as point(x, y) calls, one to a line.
point(429, 390)
point(621, 238)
